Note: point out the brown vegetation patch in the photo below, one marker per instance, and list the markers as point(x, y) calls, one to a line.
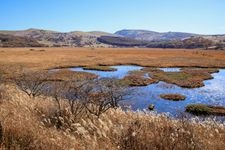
point(187, 78)
point(133, 80)
point(201, 109)
point(61, 57)
point(99, 68)
point(173, 97)
point(68, 75)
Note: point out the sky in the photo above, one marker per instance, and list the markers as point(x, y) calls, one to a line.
point(195, 16)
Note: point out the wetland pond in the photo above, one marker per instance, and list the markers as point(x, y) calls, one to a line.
point(213, 93)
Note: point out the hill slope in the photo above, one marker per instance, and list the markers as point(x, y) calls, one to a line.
point(153, 36)
point(123, 38)
point(53, 38)
point(121, 41)
point(17, 41)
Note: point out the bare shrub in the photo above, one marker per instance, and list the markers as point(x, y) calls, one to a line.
point(76, 95)
point(80, 99)
point(106, 94)
point(69, 97)
point(32, 83)
point(57, 91)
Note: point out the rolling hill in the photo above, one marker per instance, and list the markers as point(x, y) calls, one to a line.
point(58, 39)
point(17, 41)
point(122, 38)
point(154, 36)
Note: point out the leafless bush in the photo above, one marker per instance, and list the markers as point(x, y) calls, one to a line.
point(82, 98)
point(76, 95)
point(32, 83)
point(69, 98)
point(57, 91)
point(105, 94)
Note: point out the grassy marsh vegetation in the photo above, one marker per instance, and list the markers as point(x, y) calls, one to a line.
point(173, 97)
point(53, 120)
point(187, 78)
point(68, 75)
point(201, 109)
point(34, 125)
point(61, 57)
point(133, 80)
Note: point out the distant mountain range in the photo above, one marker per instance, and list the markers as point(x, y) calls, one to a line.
point(122, 38)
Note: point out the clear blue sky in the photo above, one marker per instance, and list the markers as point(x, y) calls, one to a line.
point(197, 16)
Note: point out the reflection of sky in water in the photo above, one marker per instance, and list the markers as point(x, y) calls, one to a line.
point(212, 93)
point(170, 69)
point(121, 72)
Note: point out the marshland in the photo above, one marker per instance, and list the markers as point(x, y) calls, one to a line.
point(112, 75)
point(85, 98)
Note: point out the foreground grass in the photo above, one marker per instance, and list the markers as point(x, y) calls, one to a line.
point(30, 126)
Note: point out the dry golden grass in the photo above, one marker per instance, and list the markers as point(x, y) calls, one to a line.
point(62, 57)
point(24, 127)
point(26, 121)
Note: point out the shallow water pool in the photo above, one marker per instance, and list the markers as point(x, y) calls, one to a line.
point(212, 93)
point(120, 73)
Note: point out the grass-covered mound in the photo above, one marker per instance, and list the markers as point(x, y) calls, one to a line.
point(99, 68)
point(201, 109)
point(173, 97)
point(66, 75)
point(186, 78)
point(133, 80)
